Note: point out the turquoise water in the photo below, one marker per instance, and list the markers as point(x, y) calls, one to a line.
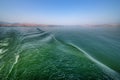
point(102, 43)
point(36, 53)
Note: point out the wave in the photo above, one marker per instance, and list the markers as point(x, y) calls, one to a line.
point(105, 68)
point(39, 55)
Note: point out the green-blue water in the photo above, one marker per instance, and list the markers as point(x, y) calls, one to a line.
point(54, 53)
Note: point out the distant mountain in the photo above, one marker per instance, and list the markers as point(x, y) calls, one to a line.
point(101, 25)
point(1, 22)
point(7, 24)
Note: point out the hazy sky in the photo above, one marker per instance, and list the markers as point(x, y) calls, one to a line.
point(60, 11)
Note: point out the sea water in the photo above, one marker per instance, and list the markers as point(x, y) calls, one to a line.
point(59, 53)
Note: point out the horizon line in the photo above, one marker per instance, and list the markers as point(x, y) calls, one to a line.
point(87, 24)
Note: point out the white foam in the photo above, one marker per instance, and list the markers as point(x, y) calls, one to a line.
point(3, 51)
point(105, 68)
point(16, 60)
point(3, 44)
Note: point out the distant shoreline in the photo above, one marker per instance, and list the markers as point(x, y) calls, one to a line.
point(7, 24)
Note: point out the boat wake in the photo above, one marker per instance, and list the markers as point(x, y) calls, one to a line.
point(33, 54)
point(103, 67)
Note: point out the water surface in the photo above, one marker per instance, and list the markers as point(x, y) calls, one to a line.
point(59, 53)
